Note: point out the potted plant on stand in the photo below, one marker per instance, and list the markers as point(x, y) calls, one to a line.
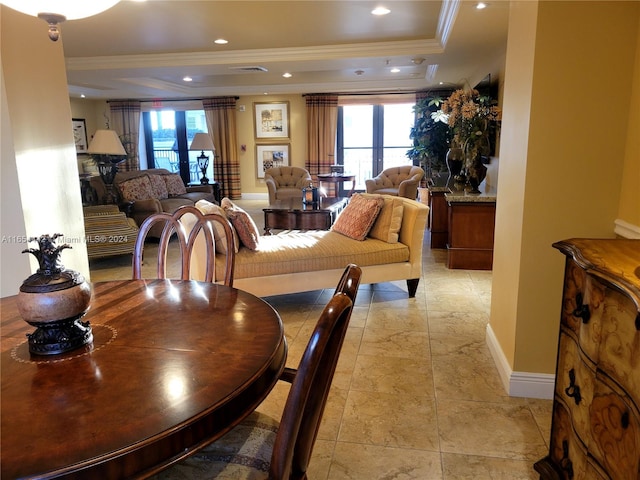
point(430, 139)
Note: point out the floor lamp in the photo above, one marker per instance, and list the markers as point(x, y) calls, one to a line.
point(202, 142)
point(107, 152)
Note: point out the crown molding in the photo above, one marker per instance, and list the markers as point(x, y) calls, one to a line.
point(447, 19)
point(241, 57)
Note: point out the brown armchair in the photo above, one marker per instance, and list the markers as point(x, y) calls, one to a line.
point(286, 182)
point(399, 181)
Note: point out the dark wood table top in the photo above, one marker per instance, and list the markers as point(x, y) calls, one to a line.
point(336, 177)
point(295, 204)
point(173, 365)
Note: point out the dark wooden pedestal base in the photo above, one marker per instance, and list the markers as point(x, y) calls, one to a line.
point(471, 231)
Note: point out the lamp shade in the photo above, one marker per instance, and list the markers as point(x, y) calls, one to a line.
point(106, 142)
point(202, 141)
point(69, 9)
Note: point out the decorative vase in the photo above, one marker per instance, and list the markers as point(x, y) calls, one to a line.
point(475, 148)
point(54, 299)
point(455, 160)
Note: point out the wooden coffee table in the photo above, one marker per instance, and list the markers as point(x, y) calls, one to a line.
point(292, 214)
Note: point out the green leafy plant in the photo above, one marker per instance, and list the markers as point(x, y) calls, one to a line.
point(430, 137)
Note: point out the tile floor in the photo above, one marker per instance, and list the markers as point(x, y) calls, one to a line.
point(416, 394)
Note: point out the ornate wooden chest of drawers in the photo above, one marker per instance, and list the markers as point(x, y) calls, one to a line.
point(595, 431)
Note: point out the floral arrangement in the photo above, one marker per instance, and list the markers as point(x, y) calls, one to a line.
point(468, 114)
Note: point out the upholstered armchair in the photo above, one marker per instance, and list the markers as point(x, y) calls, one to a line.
point(286, 182)
point(400, 181)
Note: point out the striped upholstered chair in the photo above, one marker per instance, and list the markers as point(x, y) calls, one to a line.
point(108, 231)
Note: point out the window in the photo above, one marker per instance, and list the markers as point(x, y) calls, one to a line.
point(168, 134)
point(373, 137)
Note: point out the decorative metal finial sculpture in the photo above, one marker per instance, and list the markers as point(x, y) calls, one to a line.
point(54, 299)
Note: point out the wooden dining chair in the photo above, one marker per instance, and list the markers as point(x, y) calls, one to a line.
point(181, 230)
point(262, 448)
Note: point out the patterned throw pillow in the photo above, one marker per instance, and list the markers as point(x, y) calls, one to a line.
point(175, 185)
point(137, 188)
point(243, 224)
point(357, 218)
point(387, 225)
point(158, 187)
point(219, 233)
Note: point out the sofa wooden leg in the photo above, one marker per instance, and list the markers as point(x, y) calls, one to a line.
point(412, 286)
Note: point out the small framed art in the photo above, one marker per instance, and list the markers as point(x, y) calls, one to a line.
point(268, 156)
point(80, 135)
point(271, 120)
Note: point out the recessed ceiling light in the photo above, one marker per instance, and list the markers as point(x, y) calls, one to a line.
point(221, 41)
point(82, 95)
point(187, 79)
point(395, 70)
point(380, 11)
point(481, 5)
point(287, 75)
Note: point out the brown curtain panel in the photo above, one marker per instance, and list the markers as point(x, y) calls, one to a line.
point(125, 120)
point(221, 121)
point(322, 124)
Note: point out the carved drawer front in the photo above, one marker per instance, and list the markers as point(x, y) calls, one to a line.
point(615, 433)
point(582, 307)
point(567, 452)
point(575, 380)
point(620, 346)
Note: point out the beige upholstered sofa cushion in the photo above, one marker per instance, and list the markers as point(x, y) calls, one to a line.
point(297, 252)
point(387, 225)
point(219, 233)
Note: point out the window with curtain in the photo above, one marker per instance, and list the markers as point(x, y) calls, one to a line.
point(168, 135)
point(372, 137)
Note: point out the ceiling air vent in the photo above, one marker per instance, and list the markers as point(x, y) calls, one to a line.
point(249, 68)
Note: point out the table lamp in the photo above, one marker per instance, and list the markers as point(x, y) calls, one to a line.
point(202, 142)
point(107, 152)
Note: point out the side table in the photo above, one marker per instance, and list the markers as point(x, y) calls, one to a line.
point(215, 186)
point(337, 178)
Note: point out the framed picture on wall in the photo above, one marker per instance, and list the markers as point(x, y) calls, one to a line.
point(271, 120)
point(80, 135)
point(268, 156)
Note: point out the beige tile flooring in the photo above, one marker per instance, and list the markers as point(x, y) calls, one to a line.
point(416, 394)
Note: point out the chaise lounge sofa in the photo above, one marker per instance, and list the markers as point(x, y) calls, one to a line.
point(300, 261)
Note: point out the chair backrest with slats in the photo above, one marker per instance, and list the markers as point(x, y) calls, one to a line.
point(174, 224)
point(310, 387)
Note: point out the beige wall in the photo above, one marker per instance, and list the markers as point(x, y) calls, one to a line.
point(629, 212)
point(39, 130)
point(567, 104)
point(245, 123)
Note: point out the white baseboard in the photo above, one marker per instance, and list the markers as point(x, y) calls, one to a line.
point(519, 384)
point(626, 229)
point(255, 196)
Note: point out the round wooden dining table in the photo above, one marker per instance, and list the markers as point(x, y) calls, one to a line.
point(173, 365)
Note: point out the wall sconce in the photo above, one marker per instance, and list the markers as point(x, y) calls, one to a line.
point(107, 152)
point(202, 142)
point(57, 11)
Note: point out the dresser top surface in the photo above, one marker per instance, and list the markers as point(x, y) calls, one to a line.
point(616, 259)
